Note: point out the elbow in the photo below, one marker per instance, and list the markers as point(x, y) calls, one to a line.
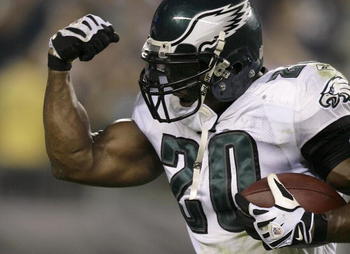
point(63, 174)
point(68, 167)
point(59, 173)
point(57, 169)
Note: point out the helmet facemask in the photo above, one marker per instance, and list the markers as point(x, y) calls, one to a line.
point(174, 80)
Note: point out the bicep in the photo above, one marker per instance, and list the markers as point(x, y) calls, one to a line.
point(122, 156)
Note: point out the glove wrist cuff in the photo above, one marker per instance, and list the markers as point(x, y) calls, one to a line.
point(320, 230)
point(54, 63)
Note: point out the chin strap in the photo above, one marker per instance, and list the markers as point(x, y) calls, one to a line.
point(205, 129)
point(198, 163)
point(219, 48)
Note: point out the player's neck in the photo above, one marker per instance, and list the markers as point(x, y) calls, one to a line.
point(217, 106)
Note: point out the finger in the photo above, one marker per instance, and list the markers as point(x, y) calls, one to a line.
point(247, 223)
point(98, 20)
point(82, 26)
point(87, 24)
point(114, 37)
point(77, 31)
point(98, 45)
point(263, 224)
point(69, 33)
point(100, 41)
point(69, 54)
point(88, 52)
point(95, 19)
point(65, 47)
point(282, 196)
point(266, 246)
point(86, 57)
point(104, 38)
point(108, 29)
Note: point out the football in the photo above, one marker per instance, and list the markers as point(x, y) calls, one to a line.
point(312, 194)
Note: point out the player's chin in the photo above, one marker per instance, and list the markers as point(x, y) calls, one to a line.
point(186, 104)
point(184, 99)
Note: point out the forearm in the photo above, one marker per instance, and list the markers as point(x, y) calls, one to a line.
point(339, 219)
point(339, 225)
point(67, 129)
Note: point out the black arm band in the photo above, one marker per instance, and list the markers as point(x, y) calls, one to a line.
point(329, 147)
point(56, 64)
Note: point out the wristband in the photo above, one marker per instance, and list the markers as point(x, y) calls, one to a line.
point(56, 64)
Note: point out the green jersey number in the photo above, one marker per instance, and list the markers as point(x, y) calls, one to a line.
point(290, 72)
point(229, 152)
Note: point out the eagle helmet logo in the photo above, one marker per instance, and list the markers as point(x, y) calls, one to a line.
point(204, 28)
point(336, 90)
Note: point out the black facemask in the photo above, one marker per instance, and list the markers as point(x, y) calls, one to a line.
point(178, 74)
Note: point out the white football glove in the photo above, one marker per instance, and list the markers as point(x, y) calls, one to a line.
point(83, 38)
point(284, 224)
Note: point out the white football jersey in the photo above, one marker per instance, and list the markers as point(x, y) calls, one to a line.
point(260, 133)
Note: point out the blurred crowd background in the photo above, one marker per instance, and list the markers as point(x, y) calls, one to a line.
point(39, 214)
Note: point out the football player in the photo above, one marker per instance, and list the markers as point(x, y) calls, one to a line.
point(214, 120)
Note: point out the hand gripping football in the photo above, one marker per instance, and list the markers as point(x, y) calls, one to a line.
point(312, 194)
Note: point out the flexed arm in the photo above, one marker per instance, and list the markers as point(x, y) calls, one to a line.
point(120, 155)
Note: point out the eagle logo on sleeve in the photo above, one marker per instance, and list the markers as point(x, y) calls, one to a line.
point(337, 90)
